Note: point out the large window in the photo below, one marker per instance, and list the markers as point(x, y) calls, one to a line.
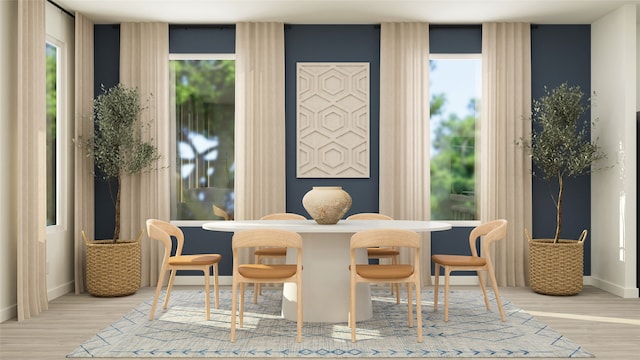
point(203, 93)
point(455, 86)
point(51, 139)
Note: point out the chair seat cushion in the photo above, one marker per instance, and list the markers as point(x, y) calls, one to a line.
point(271, 251)
point(384, 271)
point(198, 259)
point(264, 271)
point(377, 252)
point(458, 260)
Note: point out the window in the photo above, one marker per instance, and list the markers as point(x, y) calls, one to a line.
point(455, 86)
point(51, 139)
point(203, 97)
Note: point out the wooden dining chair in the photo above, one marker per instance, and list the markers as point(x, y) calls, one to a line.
point(163, 231)
point(386, 273)
point(487, 233)
point(263, 253)
point(265, 273)
point(381, 252)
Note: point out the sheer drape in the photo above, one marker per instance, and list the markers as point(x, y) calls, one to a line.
point(31, 160)
point(260, 184)
point(83, 178)
point(505, 178)
point(404, 121)
point(260, 124)
point(144, 63)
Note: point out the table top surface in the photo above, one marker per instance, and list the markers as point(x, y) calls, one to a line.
point(310, 226)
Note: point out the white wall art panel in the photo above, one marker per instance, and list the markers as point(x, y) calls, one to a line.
point(333, 120)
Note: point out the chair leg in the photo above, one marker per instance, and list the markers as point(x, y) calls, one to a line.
point(234, 307)
point(484, 289)
point(436, 286)
point(447, 272)
point(257, 289)
point(419, 311)
point(410, 304)
point(215, 285)
point(207, 297)
point(352, 309)
point(299, 315)
point(494, 283)
point(242, 288)
point(157, 295)
point(169, 287)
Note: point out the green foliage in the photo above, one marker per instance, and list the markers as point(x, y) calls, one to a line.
point(560, 145)
point(117, 147)
point(453, 161)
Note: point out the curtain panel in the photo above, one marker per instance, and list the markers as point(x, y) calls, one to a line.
point(260, 182)
point(144, 64)
point(31, 161)
point(83, 169)
point(505, 177)
point(260, 186)
point(404, 119)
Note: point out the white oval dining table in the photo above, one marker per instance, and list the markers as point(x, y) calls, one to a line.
point(325, 259)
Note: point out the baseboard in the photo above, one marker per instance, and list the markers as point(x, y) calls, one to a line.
point(615, 289)
point(8, 313)
point(60, 290)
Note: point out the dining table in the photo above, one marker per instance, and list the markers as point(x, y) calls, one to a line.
point(325, 261)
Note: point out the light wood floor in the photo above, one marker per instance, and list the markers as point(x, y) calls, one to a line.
point(606, 325)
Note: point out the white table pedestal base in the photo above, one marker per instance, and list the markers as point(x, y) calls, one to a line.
point(325, 281)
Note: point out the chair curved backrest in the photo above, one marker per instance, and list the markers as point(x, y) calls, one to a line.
point(489, 232)
point(369, 216)
point(283, 216)
point(163, 231)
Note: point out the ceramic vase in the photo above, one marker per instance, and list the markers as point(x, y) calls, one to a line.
point(326, 204)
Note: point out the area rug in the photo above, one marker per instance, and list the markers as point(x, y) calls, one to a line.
point(182, 331)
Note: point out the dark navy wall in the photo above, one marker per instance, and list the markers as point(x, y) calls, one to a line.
point(562, 53)
point(332, 43)
point(559, 53)
point(106, 64)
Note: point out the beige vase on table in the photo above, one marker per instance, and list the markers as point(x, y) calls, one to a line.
point(326, 204)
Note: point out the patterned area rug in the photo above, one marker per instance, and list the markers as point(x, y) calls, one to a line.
point(471, 331)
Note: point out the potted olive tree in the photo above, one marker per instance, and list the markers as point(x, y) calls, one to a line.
point(560, 148)
point(118, 150)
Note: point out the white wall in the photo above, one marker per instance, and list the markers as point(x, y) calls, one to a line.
point(8, 129)
point(613, 191)
point(60, 254)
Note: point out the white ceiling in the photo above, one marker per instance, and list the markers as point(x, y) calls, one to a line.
point(345, 11)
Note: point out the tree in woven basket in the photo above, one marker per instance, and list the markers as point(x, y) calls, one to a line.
point(117, 146)
point(560, 146)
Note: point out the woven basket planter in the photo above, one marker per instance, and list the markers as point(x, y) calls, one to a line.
point(556, 269)
point(112, 269)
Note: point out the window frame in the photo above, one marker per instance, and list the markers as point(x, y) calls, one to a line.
point(61, 134)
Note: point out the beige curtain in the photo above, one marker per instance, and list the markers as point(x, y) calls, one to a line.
point(260, 124)
point(31, 160)
point(404, 121)
point(505, 178)
point(83, 173)
point(144, 64)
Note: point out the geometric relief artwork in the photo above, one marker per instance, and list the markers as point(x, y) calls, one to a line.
point(332, 111)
